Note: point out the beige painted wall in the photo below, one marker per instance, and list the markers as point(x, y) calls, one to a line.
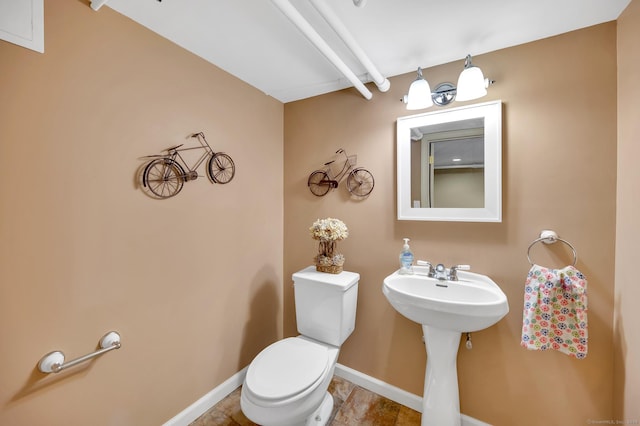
point(83, 251)
point(627, 315)
point(559, 143)
point(193, 283)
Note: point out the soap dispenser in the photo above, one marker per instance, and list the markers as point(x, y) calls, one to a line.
point(406, 259)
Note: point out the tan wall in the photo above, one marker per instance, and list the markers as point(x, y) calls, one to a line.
point(83, 250)
point(193, 283)
point(627, 315)
point(559, 172)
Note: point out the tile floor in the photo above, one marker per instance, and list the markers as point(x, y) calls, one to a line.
point(353, 405)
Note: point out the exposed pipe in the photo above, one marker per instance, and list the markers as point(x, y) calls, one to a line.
point(332, 19)
point(298, 20)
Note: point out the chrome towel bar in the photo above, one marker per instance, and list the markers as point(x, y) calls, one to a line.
point(53, 362)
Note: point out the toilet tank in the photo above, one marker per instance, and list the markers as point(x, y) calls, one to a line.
point(326, 304)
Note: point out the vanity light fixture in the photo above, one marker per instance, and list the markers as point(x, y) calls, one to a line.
point(471, 85)
point(419, 96)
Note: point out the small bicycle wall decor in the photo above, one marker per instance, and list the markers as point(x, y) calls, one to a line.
point(359, 182)
point(165, 174)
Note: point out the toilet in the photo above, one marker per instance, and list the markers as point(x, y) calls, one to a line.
point(286, 384)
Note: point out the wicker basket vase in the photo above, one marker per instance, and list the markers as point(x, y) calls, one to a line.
point(327, 259)
point(331, 269)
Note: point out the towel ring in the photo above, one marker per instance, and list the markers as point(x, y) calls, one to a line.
point(550, 237)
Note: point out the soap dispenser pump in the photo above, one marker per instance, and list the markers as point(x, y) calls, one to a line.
point(406, 259)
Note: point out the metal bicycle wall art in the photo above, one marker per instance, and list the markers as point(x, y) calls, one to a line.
point(360, 181)
point(165, 174)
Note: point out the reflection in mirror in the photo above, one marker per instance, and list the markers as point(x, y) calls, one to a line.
point(449, 164)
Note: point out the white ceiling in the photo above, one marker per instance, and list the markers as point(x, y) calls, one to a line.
point(256, 42)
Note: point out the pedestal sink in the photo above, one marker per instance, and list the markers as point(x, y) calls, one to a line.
point(445, 309)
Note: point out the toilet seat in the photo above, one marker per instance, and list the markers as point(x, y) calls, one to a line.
point(287, 368)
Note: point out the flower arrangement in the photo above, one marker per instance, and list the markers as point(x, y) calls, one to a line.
point(328, 231)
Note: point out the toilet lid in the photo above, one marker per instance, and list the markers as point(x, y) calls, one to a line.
point(286, 368)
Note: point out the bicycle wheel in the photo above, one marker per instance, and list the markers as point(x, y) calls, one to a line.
point(360, 182)
point(318, 183)
point(221, 168)
point(163, 177)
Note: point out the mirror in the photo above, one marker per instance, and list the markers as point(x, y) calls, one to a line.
point(450, 164)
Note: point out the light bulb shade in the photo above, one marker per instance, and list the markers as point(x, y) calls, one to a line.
point(471, 84)
point(419, 96)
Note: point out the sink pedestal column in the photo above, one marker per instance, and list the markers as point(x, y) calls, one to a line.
point(441, 401)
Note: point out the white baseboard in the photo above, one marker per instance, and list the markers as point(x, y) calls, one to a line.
point(470, 421)
point(201, 406)
point(392, 392)
point(381, 388)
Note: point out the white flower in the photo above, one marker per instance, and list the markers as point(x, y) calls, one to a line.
point(329, 229)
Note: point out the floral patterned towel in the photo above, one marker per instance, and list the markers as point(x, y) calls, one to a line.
point(555, 311)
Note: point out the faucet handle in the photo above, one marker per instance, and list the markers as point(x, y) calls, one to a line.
point(428, 265)
point(453, 271)
point(461, 267)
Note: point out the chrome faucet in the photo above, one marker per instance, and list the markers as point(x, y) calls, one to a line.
point(441, 273)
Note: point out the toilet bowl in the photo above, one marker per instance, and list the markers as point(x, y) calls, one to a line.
point(287, 382)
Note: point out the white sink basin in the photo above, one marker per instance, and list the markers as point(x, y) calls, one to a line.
point(472, 303)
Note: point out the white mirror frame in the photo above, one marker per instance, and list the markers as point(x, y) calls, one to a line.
point(492, 211)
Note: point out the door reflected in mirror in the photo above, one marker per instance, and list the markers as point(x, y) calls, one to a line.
point(449, 164)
